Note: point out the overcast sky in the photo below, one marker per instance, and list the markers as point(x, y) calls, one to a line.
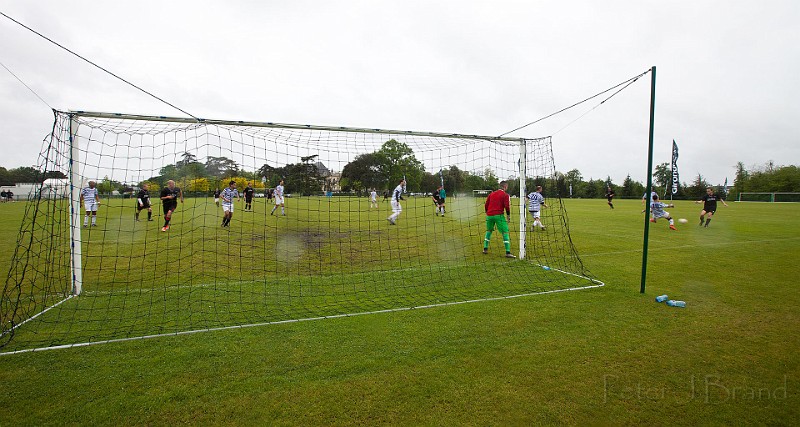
point(727, 83)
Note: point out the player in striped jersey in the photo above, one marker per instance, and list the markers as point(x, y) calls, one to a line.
point(535, 203)
point(227, 196)
point(657, 209)
point(397, 196)
point(90, 198)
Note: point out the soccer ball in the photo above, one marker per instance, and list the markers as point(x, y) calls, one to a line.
point(683, 220)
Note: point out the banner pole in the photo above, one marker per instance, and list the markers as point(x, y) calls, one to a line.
point(648, 190)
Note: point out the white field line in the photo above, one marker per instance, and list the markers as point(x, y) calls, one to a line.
point(597, 284)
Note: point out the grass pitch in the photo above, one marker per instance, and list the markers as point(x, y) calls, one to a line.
point(610, 355)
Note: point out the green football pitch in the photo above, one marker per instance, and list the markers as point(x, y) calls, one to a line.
point(608, 355)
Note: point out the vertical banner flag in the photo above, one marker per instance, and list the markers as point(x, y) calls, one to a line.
point(675, 177)
point(441, 177)
point(726, 186)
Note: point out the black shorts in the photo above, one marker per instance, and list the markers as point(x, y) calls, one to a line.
point(142, 207)
point(248, 199)
point(709, 210)
point(169, 207)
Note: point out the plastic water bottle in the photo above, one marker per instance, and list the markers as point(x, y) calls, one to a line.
point(674, 303)
point(662, 298)
point(545, 268)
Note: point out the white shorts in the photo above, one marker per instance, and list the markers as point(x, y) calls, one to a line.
point(216, 200)
point(535, 214)
point(278, 200)
point(396, 208)
point(90, 205)
point(227, 207)
point(664, 214)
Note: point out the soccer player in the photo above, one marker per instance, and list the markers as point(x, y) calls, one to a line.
point(709, 201)
point(169, 199)
point(227, 203)
point(657, 209)
point(436, 200)
point(535, 203)
point(216, 196)
point(90, 198)
point(279, 199)
point(498, 202)
point(248, 197)
point(143, 202)
point(397, 196)
point(442, 196)
point(644, 199)
point(610, 196)
point(373, 199)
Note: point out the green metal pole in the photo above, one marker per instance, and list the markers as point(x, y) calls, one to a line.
point(648, 190)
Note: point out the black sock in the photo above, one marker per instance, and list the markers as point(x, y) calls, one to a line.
point(149, 215)
point(707, 221)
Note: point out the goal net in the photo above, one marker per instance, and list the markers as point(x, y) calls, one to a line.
point(769, 197)
point(329, 251)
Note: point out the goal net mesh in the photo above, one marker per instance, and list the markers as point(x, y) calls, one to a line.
point(333, 253)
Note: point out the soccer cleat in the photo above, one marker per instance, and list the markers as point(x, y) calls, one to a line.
point(543, 228)
point(150, 219)
point(390, 221)
point(652, 220)
point(672, 227)
point(165, 228)
point(485, 251)
point(510, 255)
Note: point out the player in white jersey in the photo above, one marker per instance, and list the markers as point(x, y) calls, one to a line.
point(657, 209)
point(373, 199)
point(397, 196)
point(279, 199)
point(227, 196)
point(90, 198)
point(535, 204)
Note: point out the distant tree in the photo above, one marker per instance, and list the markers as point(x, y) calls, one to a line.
point(397, 162)
point(5, 177)
point(662, 177)
point(365, 171)
point(454, 179)
point(199, 185)
point(697, 188)
point(221, 166)
point(187, 158)
point(107, 185)
point(25, 174)
point(632, 188)
point(475, 182)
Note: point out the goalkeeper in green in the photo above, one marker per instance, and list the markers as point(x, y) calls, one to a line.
point(498, 202)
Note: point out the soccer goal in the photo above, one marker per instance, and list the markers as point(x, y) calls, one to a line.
point(313, 257)
point(769, 197)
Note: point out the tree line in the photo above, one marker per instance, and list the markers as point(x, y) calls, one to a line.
point(393, 161)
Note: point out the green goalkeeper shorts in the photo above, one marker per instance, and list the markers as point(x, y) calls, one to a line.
point(498, 221)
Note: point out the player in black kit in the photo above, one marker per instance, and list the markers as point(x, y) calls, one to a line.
point(169, 197)
point(143, 202)
point(610, 196)
point(248, 197)
point(709, 201)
